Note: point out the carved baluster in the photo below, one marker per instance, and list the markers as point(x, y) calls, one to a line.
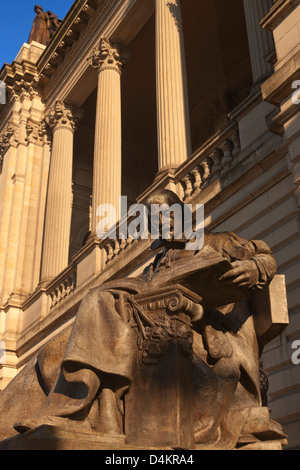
point(51, 300)
point(63, 290)
point(188, 186)
point(129, 241)
point(116, 248)
point(226, 147)
point(206, 167)
point(236, 144)
point(110, 252)
point(217, 166)
point(68, 286)
point(198, 178)
point(104, 259)
point(123, 245)
point(74, 280)
point(56, 296)
point(60, 293)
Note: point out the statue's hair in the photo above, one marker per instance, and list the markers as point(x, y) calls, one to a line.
point(164, 196)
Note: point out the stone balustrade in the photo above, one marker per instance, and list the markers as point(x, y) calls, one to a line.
point(113, 248)
point(210, 162)
point(62, 287)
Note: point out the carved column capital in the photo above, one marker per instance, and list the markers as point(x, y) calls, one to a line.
point(8, 138)
point(108, 56)
point(37, 132)
point(63, 116)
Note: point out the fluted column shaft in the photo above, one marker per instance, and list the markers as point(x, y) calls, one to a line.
point(62, 120)
point(108, 59)
point(260, 41)
point(174, 137)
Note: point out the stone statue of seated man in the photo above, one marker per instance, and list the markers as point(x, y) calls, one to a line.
point(116, 359)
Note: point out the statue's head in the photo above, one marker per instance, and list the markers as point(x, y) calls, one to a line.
point(166, 214)
point(38, 9)
point(164, 196)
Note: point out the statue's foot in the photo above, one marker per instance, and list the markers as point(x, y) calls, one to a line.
point(203, 428)
point(65, 423)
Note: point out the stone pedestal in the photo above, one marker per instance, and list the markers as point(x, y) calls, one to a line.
point(55, 438)
point(159, 405)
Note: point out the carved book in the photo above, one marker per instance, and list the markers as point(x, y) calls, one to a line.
point(201, 274)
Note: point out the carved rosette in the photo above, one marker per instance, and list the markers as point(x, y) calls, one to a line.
point(108, 56)
point(63, 116)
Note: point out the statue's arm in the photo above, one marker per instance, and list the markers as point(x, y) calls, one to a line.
point(255, 272)
point(265, 263)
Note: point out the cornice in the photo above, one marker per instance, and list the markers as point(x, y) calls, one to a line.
point(68, 33)
point(277, 13)
point(75, 30)
point(278, 87)
point(20, 79)
point(28, 79)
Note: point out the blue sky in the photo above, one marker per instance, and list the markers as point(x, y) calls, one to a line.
point(16, 20)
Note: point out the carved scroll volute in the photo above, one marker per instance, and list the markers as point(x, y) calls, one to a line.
point(163, 318)
point(179, 303)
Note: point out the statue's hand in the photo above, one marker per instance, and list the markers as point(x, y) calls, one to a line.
point(243, 274)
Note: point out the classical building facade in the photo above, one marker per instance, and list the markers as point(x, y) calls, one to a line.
point(134, 95)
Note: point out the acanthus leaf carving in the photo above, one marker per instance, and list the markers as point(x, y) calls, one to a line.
point(37, 132)
point(108, 55)
point(157, 330)
point(8, 138)
point(63, 115)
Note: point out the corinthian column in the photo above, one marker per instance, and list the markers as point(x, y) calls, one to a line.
point(174, 139)
point(260, 41)
point(62, 120)
point(108, 59)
